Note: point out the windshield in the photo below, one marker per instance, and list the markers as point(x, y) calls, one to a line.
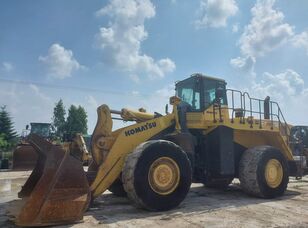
point(41, 129)
point(189, 93)
point(200, 93)
point(209, 92)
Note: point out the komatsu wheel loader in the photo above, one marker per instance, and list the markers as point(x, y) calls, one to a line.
point(212, 135)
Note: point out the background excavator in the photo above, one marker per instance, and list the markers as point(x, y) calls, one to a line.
point(212, 135)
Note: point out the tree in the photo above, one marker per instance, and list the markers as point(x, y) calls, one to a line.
point(3, 143)
point(7, 132)
point(76, 121)
point(59, 118)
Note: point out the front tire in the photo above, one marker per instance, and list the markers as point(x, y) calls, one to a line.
point(157, 175)
point(263, 172)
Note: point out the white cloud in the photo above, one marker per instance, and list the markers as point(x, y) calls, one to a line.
point(121, 40)
point(26, 103)
point(265, 32)
point(7, 66)
point(215, 13)
point(289, 90)
point(245, 64)
point(135, 78)
point(235, 28)
point(135, 93)
point(281, 86)
point(301, 41)
point(60, 62)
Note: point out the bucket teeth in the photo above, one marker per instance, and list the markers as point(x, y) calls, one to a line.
point(57, 191)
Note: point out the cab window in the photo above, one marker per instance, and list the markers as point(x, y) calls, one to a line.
point(189, 93)
point(209, 91)
point(200, 93)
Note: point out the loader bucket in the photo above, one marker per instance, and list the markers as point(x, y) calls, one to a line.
point(57, 191)
point(24, 157)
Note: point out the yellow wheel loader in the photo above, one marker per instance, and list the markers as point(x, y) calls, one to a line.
point(212, 135)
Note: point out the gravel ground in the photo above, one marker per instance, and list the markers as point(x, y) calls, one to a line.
point(202, 208)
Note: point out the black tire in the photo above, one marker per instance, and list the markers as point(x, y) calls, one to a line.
point(252, 172)
point(117, 188)
point(217, 183)
point(135, 175)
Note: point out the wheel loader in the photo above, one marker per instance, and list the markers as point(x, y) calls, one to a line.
point(24, 156)
point(212, 136)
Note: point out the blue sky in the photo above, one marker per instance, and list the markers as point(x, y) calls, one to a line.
point(129, 53)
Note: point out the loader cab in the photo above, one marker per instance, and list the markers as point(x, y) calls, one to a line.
point(200, 92)
point(42, 129)
point(299, 134)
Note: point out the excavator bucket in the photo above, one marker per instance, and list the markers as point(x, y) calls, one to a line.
point(57, 191)
point(24, 157)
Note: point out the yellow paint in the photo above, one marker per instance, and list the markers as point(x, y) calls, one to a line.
point(101, 136)
point(175, 101)
point(130, 115)
point(273, 173)
point(124, 144)
point(247, 131)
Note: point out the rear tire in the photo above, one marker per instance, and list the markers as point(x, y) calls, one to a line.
point(157, 175)
point(263, 172)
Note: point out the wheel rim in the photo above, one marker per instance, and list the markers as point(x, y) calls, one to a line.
point(273, 173)
point(164, 175)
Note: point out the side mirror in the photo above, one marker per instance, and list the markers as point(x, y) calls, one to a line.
point(27, 127)
point(166, 109)
point(219, 93)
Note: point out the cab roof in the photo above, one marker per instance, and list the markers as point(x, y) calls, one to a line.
point(199, 75)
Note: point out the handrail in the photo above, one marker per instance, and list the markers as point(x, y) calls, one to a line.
point(244, 108)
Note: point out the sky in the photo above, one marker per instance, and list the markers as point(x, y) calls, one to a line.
point(129, 53)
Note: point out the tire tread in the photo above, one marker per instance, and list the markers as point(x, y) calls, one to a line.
point(248, 170)
point(129, 170)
